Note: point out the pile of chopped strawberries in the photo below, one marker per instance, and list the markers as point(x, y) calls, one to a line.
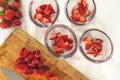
point(93, 46)
point(30, 62)
point(61, 43)
point(80, 12)
point(44, 13)
point(10, 14)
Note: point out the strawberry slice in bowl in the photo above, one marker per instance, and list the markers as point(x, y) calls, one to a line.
point(61, 41)
point(96, 45)
point(44, 14)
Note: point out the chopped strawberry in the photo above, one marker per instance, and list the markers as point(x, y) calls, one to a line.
point(82, 19)
point(59, 42)
point(65, 37)
point(75, 18)
point(99, 41)
point(49, 9)
point(9, 14)
point(29, 58)
point(37, 54)
point(45, 21)
point(32, 65)
point(38, 16)
point(82, 10)
point(70, 40)
point(66, 44)
point(18, 14)
point(19, 61)
point(16, 22)
point(55, 35)
point(21, 67)
point(24, 53)
point(68, 48)
point(39, 10)
point(91, 51)
point(15, 4)
point(29, 71)
point(84, 4)
point(59, 51)
point(98, 46)
point(88, 45)
point(87, 13)
point(5, 24)
point(43, 6)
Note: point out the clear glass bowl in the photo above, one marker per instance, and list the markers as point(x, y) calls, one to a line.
point(107, 48)
point(72, 3)
point(64, 30)
point(32, 10)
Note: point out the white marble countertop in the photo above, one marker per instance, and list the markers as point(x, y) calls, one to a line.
point(106, 19)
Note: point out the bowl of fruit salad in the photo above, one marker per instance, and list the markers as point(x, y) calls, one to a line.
point(44, 13)
point(61, 41)
point(80, 12)
point(96, 45)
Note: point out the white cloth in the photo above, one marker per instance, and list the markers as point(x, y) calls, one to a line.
point(107, 19)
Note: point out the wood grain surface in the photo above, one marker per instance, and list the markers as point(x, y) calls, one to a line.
point(10, 49)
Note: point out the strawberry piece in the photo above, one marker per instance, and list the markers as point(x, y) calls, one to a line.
point(7, 7)
point(16, 22)
point(70, 40)
point(38, 16)
point(98, 41)
point(45, 21)
point(65, 37)
point(9, 14)
point(40, 63)
point(24, 53)
point(29, 71)
point(39, 10)
point(55, 36)
point(19, 61)
point(59, 51)
point(98, 46)
point(66, 44)
point(29, 58)
point(75, 18)
point(59, 42)
point(88, 46)
point(41, 70)
point(32, 65)
point(21, 67)
point(49, 9)
point(84, 4)
point(5, 24)
point(18, 14)
point(87, 13)
point(69, 47)
point(82, 19)
point(43, 7)
point(37, 54)
point(91, 51)
point(81, 10)
point(15, 4)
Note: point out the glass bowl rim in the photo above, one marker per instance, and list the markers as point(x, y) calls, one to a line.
point(82, 51)
point(73, 35)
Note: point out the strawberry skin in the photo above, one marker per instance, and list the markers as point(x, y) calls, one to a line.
point(16, 22)
point(18, 14)
point(9, 14)
point(5, 24)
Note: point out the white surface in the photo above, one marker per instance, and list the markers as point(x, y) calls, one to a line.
point(106, 19)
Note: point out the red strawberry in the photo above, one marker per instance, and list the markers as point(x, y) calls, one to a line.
point(19, 61)
point(24, 53)
point(84, 4)
point(9, 14)
point(16, 22)
point(99, 41)
point(55, 36)
point(37, 54)
point(21, 67)
point(66, 44)
point(87, 13)
point(38, 16)
point(29, 71)
point(88, 45)
point(65, 37)
point(7, 7)
point(59, 51)
point(81, 10)
point(82, 19)
point(43, 6)
point(39, 10)
point(15, 4)
point(45, 21)
point(49, 9)
point(69, 47)
point(98, 46)
point(70, 40)
point(29, 58)
point(18, 14)
point(5, 24)
point(91, 51)
point(59, 42)
point(32, 65)
point(76, 19)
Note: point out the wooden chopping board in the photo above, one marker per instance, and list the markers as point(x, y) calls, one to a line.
point(9, 52)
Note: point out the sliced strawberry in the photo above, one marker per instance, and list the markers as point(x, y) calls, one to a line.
point(21, 67)
point(29, 58)
point(24, 53)
point(69, 47)
point(98, 46)
point(59, 42)
point(29, 71)
point(88, 45)
point(16, 22)
point(43, 6)
point(98, 40)
point(81, 10)
point(38, 16)
point(87, 13)
point(52, 10)
point(40, 63)
point(39, 10)
point(45, 21)
point(48, 9)
point(9, 14)
point(55, 36)
point(32, 65)
point(82, 19)
point(84, 4)
point(18, 14)
point(15, 4)
point(76, 19)
point(65, 37)
point(37, 54)
point(70, 40)
point(91, 51)
point(5, 24)
point(19, 61)
point(59, 51)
